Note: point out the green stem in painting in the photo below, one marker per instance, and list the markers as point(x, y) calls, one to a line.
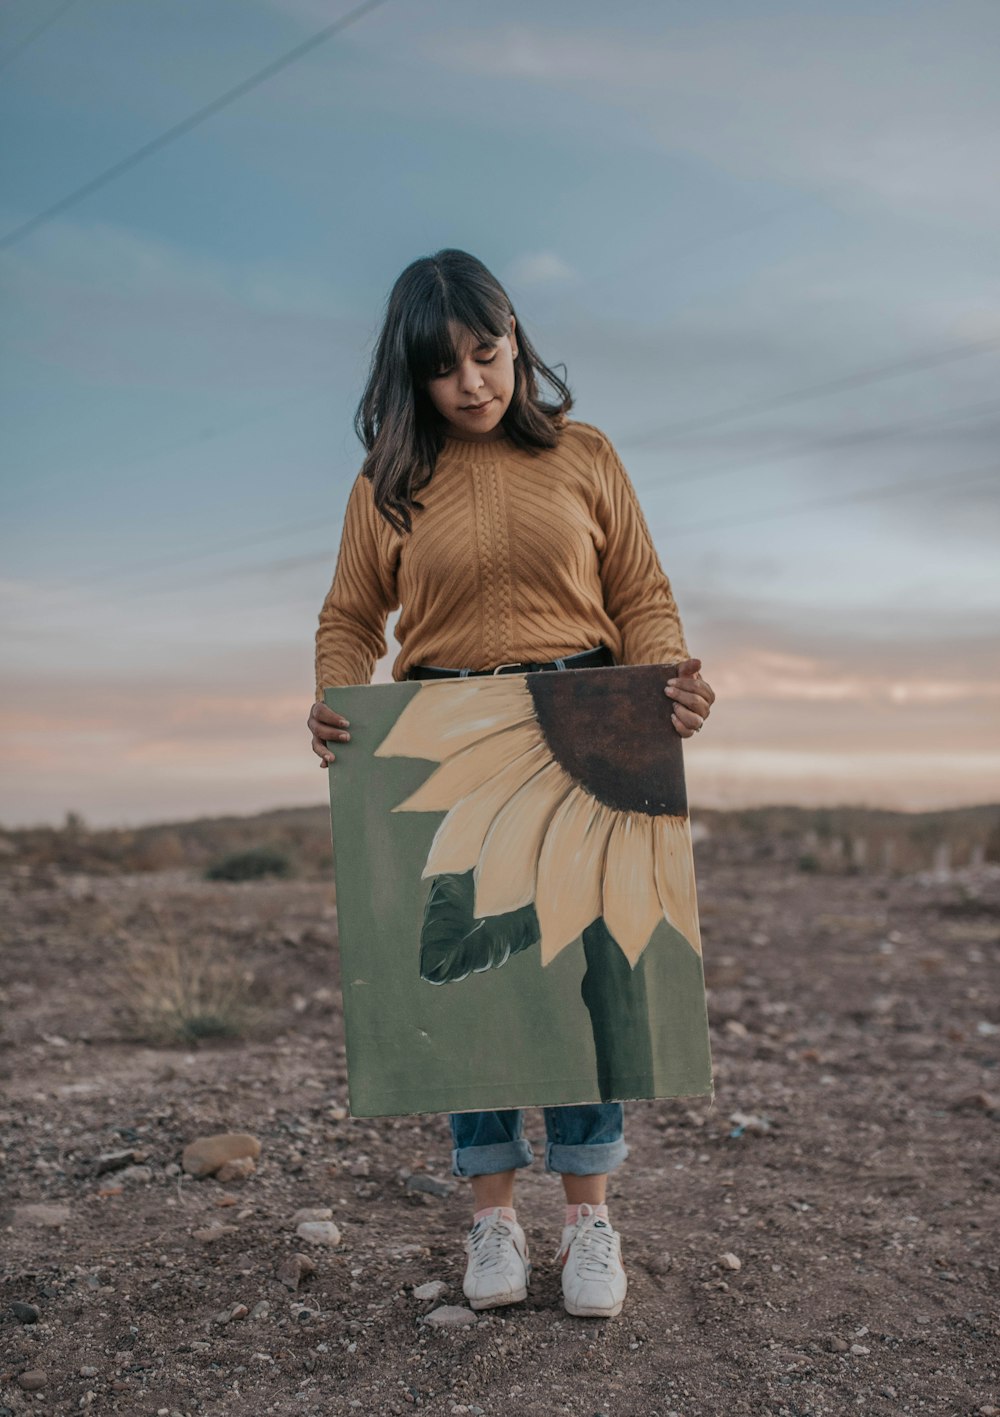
point(615, 996)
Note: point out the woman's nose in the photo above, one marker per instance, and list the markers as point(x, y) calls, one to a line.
point(471, 378)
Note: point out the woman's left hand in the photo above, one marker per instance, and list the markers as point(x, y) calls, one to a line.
point(693, 698)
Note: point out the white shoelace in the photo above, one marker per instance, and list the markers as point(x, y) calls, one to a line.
point(489, 1243)
point(595, 1249)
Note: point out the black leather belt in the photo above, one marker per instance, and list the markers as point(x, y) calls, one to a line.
point(586, 659)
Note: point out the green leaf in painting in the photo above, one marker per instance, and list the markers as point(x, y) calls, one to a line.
point(453, 943)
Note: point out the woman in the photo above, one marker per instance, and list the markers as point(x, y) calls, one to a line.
point(511, 539)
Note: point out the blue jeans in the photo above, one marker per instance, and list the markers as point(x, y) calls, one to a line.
point(583, 1140)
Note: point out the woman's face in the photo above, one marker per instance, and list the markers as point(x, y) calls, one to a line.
point(475, 393)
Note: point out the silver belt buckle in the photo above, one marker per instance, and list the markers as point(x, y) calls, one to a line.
point(511, 664)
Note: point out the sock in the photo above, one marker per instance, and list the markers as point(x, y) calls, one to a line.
point(573, 1213)
point(507, 1211)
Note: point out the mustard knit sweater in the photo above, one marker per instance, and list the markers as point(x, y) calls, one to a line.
point(515, 556)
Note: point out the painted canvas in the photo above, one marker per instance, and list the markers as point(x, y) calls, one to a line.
point(515, 893)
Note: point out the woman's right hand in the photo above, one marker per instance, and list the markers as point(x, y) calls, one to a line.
point(325, 725)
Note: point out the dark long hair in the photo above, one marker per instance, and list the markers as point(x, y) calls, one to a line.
point(396, 420)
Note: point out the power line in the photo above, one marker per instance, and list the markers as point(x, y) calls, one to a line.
point(873, 374)
point(853, 438)
point(34, 34)
point(187, 124)
point(37, 481)
point(218, 549)
point(294, 528)
point(894, 489)
point(888, 491)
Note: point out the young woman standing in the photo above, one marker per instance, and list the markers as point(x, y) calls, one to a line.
point(511, 540)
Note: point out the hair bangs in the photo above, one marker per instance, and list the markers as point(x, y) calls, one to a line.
point(430, 344)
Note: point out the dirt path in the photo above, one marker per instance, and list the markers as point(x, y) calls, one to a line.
point(854, 1029)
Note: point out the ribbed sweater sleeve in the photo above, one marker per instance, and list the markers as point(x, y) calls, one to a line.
point(637, 594)
point(350, 638)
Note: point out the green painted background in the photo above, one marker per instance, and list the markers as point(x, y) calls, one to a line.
point(517, 1036)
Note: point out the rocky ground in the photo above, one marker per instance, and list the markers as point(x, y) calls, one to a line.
point(820, 1240)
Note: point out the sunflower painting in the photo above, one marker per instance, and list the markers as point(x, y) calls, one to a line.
point(550, 835)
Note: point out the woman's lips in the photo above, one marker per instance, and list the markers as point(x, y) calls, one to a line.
point(477, 408)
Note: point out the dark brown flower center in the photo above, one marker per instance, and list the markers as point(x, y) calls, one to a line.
point(612, 733)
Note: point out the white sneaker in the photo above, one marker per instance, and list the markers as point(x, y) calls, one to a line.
point(498, 1270)
point(593, 1280)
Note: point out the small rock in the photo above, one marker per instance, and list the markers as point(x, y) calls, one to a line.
point(236, 1170)
point(735, 1029)
point(24, 1313)
point(837, 1345)
point(114, 1161)
point(433, 1290)
point(238, 1311)
point(293, 1270)
point(32, 1380)
point(205, 1155)
point(88, 1371)
point(430, 1185)
point(209, 1233)
point(140, 1175)
point(337, 1114)
point(39, 1214)
point(411, 1252)
point(730, 1261)
point(977, 1102)
point(750, 1122)
point(318, 1232)
point(450, 1316)
point(313, 1212)
point(360, 1166)
point(261, 1309)
point(859, 1350)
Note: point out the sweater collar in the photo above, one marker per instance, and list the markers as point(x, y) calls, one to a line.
point(476, 451)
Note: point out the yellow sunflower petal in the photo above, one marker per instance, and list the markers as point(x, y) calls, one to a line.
point(673, 861)
point(459, 838)
point(570, 868)
point(505, 874)
point(632, 908)
point(448, 715)
point(463, 772)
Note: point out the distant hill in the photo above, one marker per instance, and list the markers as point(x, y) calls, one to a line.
point(822, 839)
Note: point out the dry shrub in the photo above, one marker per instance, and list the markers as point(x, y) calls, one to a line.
point(180, 989)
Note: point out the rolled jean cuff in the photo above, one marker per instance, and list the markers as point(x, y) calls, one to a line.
point(585, 1160)
point(497, 1156)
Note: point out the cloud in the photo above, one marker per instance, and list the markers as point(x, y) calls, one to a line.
point(124, 309)
point(539, 268)
point(851, 107)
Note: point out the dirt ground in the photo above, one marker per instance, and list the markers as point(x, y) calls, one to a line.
point(849, 1163)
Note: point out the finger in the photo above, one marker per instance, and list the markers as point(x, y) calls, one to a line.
point(682, 729)
point(327, 728)
point(331, 735)
point(322, 751)
point(322, 713)
point(694, 699)
point(688, 718)
point(688, 666)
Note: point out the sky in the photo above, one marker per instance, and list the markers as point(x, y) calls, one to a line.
point(762, 239)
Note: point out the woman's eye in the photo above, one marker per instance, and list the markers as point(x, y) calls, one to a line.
point(443, 373)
